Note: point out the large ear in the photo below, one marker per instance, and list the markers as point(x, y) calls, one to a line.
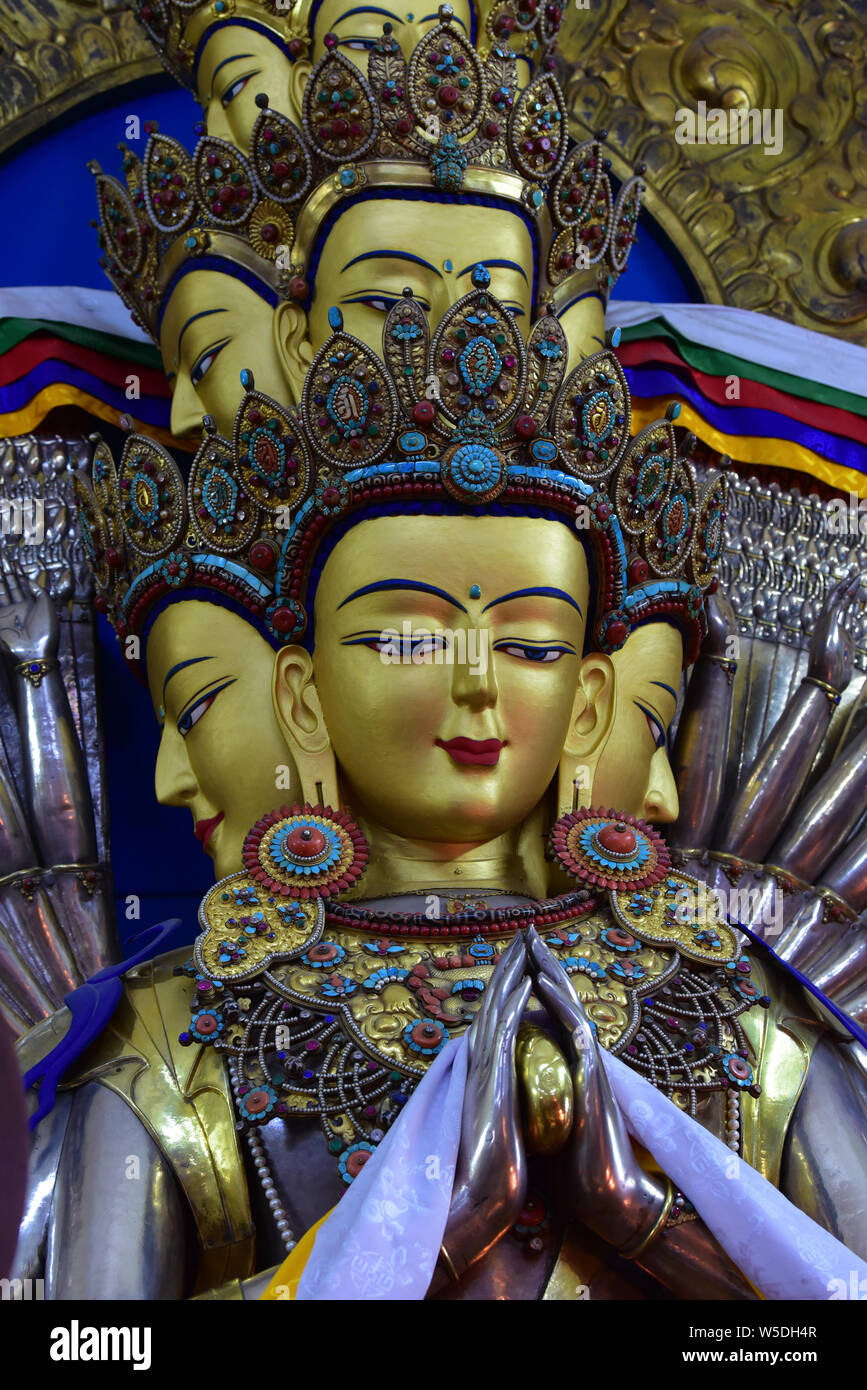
point(301, 70)
point(590, 724)
point(299, 714)
point(292, 346)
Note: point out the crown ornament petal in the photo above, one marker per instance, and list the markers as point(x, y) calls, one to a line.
point(446, 119)
point(505, 424)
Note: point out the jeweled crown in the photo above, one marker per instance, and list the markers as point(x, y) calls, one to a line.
point(506, 427)
point(176, 27)
point(445, 120)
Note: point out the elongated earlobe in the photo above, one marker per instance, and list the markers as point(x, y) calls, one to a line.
point(292, 347)
point(589, 727)
point(299, 714)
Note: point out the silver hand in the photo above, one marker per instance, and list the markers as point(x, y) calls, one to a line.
point(606, 1186)
point(29, 628)
point(831, 647)
point(491, 1179)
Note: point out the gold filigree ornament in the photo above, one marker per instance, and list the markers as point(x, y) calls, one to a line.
point(747, 118)
point(245, 932)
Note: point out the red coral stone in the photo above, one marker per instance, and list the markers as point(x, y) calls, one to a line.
point(305, 842)
point(618, 838)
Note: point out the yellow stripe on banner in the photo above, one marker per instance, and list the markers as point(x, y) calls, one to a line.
point(774, 453)
point(58, 394)
point(284, 1285)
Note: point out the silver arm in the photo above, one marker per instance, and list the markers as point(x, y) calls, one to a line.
point(104, 1217)
point(824, 1169)
point(604, 1185)
point(491, 1177)
point(57, 788)
point(776, 778)
point(701, 747)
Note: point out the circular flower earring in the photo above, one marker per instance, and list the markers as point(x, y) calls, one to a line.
point(608, 850)
point(305, 852)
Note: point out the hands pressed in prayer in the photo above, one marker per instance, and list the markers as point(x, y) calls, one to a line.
point(491, 1179)
point(605, 1186)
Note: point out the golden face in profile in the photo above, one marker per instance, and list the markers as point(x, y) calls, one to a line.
point(453, 737)
point(633, 774)
point(215, 325)
point(221, 751)
point(236, 63)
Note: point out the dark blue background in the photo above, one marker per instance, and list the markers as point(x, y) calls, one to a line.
point(47, 195)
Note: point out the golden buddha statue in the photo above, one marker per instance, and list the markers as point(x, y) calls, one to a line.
point(321, 995)
point(232, 259)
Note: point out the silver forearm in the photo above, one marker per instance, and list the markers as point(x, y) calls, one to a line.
point(118, 1225)
point(688, 1260)
point(824, 1169)
point(57, 786)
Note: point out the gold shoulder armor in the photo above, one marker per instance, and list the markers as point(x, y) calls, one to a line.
point(782, 1038)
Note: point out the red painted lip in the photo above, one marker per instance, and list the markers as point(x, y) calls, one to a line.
point(206, 828)
point(482, 752)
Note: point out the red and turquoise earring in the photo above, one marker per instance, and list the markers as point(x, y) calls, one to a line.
point(608, 850)
point(305, 852)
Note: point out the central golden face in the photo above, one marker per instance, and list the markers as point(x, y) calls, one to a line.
point(380, 247)
point(215, 325)
point(453, 736)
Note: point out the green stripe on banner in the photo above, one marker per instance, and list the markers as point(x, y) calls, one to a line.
point(716, 363)
point(13, 331)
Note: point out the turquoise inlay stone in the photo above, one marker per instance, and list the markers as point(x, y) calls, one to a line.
point(475, 591)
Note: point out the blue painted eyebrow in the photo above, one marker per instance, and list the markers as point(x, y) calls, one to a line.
point(663, 686)
point(202, 315)
point(235, 58)
point(180, 667)
point(424, 19)
point(392, 256)
point(507, 265)
point(531, 593)
point(367, 9)
point(416, 585)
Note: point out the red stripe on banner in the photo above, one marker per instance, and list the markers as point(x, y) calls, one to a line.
point(753, 394)
point(31, 351)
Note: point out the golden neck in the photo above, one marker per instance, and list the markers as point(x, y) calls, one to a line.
point(513, 863)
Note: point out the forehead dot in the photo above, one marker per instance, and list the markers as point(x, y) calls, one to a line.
point(475, 591)
point(447, 265)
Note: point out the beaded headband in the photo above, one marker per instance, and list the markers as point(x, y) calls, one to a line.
point(445, 120)
point(176, 28)
point(509, 431)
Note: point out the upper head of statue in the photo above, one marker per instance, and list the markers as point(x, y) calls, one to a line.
point(226, 53)
point(233, 259)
